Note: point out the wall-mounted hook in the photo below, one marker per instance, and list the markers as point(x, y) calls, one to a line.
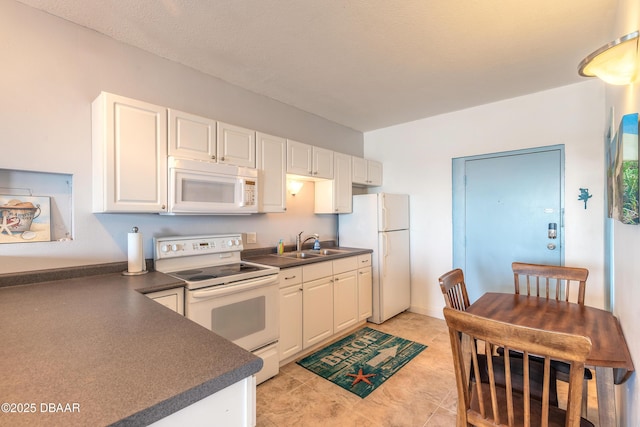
point(584, 196)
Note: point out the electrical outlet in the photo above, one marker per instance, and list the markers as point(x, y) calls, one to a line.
point(252, 237)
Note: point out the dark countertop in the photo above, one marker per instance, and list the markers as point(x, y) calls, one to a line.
point(95, 341)
point(270, 258)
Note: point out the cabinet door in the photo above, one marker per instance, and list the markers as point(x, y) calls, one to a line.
point(170, 298)
point(271, 157)
point(342, 183)
point(290, 341)
point(374, 173)
point(334, 196)
point(359, 170)
point(299, 158)
point(365, 293)
point(317, 311)
point(322, 165)
point(192, 137)
point(345, 300)
point(236, 145)
point(129, 140)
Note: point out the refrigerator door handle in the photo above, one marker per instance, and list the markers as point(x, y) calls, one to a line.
point(385, 215)
point(385, 253)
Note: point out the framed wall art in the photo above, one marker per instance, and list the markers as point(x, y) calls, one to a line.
point(624, 172)
point(24, 219)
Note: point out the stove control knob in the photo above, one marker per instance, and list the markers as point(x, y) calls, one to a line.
point(175, 247)
point(230, 243)
point(165, 248)
point(237, 242)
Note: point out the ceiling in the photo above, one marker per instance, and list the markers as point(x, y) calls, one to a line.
point(365, 64)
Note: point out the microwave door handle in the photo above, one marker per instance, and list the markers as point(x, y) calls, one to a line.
point(246, 285)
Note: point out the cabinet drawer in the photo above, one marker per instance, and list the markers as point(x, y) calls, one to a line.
point(290, 276)
point(364, 261)
point(317, 271)
point(345, 264)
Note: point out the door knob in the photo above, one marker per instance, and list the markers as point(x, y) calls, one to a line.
point(551, 246)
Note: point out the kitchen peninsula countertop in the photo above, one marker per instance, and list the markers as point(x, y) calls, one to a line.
point(98, 347)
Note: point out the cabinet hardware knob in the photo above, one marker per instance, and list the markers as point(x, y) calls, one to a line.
point(213, 157)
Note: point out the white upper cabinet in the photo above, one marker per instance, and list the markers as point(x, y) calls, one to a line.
point(374, 170)
point(236, 145)
point(322, 163)
point(366, 172)
point(271, 158)
point(299, 158)
point(192, 137)
point(129, 155)
point(334, 196)
point(307, 160)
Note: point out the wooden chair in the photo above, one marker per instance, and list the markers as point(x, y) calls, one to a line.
point(454, 289)
point(491, 403)
point(554, 281)
point(455, 295)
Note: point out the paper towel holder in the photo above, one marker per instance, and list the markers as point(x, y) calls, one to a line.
point(143, 261)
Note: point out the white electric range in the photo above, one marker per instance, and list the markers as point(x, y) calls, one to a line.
point(233, 298)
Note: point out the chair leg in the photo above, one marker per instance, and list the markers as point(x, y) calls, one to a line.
point(585, 395)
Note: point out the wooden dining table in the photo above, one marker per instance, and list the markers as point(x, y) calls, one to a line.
point(609, 355)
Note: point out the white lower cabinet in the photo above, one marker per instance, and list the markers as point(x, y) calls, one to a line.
point(234, 405)
point(170, 298)
point(345, 301)
point(290, 341)
point(320, 300)
point(317, 311)
point(365, 287)
point(345, 293)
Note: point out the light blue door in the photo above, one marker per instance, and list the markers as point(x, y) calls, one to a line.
point(503, 205)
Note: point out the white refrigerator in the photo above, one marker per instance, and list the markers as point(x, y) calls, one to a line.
point(381, 222)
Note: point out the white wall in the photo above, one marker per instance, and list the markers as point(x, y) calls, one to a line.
point(417, 159)
point(52, 70)
point(626, 238)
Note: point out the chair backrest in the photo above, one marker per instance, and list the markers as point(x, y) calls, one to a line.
point(495, 403)
point(454, 289)
point(553, 281)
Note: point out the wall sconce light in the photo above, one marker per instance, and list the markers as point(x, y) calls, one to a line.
point(617, 63)
point(295, 186)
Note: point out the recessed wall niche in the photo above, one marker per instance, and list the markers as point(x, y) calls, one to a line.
point(54, 188)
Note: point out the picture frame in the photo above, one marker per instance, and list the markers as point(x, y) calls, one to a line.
point(25, 219)
point(624, 172)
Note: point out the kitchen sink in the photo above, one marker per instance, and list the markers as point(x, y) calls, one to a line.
point(298, 255)
point(324, 252)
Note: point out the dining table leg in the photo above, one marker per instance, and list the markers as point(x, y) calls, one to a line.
point(606, 396)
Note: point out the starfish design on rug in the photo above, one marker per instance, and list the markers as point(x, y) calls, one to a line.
point(361, 377)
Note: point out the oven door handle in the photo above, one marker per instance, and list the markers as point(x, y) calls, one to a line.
point(245, 285)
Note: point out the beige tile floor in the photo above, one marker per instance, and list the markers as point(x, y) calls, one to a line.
point(422, 393)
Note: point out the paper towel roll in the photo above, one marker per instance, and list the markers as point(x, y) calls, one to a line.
point(135, 253)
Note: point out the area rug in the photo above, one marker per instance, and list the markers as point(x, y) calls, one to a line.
point(362, 361)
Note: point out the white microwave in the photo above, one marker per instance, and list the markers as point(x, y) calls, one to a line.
point(199, 187)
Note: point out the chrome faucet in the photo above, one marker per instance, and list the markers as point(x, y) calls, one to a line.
point(300, 241)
